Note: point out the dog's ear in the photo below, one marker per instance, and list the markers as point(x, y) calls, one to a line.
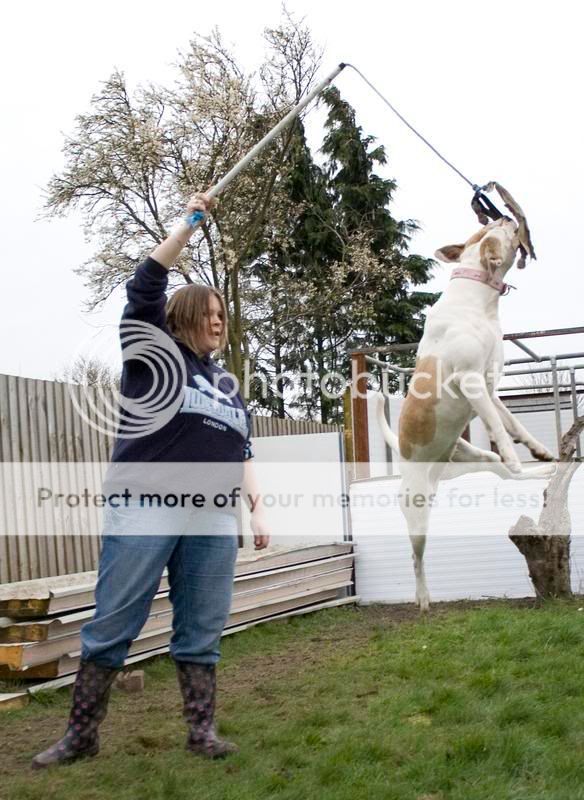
point(449, 253)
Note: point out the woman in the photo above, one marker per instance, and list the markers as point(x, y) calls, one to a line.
point(197, 541)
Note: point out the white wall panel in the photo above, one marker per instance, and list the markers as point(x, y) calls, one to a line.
point(468, 553)
point(378, 454)
point(307, 467)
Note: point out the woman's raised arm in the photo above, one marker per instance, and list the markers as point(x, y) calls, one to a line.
point(169, 250)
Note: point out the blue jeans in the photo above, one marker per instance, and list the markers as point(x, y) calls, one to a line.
point(199, 548)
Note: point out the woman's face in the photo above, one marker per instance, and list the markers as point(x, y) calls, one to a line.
point(210, 337)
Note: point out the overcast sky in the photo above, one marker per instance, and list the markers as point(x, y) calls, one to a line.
point(495, 86)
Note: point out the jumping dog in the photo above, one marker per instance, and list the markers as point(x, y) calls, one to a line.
point(459, 362)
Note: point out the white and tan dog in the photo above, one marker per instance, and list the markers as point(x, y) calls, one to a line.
point(459, 361)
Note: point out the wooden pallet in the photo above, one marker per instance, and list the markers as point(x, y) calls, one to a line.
point(11, 700)
point(53, 596)
point(282, 583)
point(13, 631)
point(21, 657)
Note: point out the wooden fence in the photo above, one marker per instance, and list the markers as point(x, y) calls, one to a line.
point(40, 424)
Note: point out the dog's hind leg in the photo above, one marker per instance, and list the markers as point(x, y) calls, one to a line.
point(520, 434)
point(473, 387)
point(415, 501)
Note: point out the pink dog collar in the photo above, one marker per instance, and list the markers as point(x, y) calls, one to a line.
point(481, 277)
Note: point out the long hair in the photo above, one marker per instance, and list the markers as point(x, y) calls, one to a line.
point(185, 315)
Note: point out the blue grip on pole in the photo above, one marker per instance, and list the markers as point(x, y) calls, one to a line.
point(198, 216)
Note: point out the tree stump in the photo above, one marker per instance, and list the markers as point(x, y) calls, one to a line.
point(546, 544)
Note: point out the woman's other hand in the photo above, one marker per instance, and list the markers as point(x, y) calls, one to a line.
point(260, 530)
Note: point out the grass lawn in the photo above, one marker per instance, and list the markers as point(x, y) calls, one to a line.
point(474, 701)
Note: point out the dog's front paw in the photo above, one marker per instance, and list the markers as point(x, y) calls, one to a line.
point(541, 453)
point(423, 601)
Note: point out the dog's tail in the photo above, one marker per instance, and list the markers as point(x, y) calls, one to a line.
point(388, 434)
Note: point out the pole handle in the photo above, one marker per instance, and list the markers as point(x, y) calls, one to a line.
point(195, 218)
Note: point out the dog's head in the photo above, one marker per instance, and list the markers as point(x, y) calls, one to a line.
point(492, 248)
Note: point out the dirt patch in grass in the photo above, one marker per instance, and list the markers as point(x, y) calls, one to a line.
point(353, 629)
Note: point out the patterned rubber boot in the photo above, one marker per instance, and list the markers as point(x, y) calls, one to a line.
point(90, 699)
point(198, 686)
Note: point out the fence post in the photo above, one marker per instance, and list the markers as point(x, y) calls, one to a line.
point(360, 426)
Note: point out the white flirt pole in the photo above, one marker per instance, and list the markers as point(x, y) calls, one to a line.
point(197, 217)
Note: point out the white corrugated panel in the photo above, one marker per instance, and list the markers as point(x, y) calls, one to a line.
point(378, 455)
point(301, 478)
point(468, 553)
point(378, 452)
point(577, 553)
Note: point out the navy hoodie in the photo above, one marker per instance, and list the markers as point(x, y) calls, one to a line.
point(210, 422)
